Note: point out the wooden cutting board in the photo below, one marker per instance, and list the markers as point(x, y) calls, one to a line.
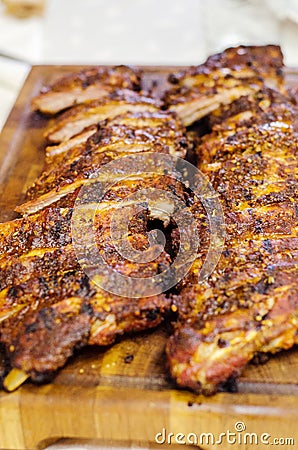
point(122, 394)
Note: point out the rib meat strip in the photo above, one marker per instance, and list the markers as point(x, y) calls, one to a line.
point(75, 120)
point(130, 133)
point(249, 304)
point(48, 305)
point(222, 79)
point(90, 84)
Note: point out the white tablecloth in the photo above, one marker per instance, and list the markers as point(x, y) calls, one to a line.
point(139, 32)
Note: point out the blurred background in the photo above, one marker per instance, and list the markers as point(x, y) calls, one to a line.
point(178, 32)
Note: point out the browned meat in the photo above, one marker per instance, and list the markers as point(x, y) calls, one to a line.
point(128, 133)
point(222, 79)
point(53, 150)
point(191, 104)
point(249, 304)
point(48, 229)
point(47, 298)
point(159, 132)
point(90, 84)
point(57, 314)
point(241, 62)
point(205, 356)
point(78, 118)
point(246, 107)
point(48, 304)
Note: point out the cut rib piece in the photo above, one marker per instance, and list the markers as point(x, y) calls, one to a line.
point(49, 228)
point(64, 147)
point(45, 317)
point(243, 62)
point(42, 262)
point(49, 306)
point(158, 132)
point(191, 104)
point(41, 339)
point(161, 132)
point(144, 125)
point(124, 134)
point(222, 79)
point(245, 107)
point(90, 84)
point(204, 356)
point(74, 121)
point(49, 298)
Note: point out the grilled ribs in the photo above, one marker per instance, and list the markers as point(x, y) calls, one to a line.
point(74, 120)
point(89, 84)
point(249, 304)
point(131, 133)
point(224, 78)
point(49, 306)
point(48, 293)
point(63, 147)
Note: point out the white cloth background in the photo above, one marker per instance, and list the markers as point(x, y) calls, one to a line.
point(139, 32)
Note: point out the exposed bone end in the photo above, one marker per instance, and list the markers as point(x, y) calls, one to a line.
point(14, 379)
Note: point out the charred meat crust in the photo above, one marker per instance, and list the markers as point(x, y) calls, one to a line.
point(49, 307)
point(73, 121)
point(86, 85)
point(248, 306)
point(223, 79)
point(241, 62)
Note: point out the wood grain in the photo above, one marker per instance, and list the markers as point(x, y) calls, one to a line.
point(122, 394)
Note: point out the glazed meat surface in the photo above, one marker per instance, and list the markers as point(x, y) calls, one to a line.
point(222, 79)
point(54, 298)
point(241, 62)
point(49, 306)
point(75, 120)
point(249, 303)
point(130, 133)
point(46, 297)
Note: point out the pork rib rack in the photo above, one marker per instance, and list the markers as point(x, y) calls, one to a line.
point(49, 306)
point(247, 306)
